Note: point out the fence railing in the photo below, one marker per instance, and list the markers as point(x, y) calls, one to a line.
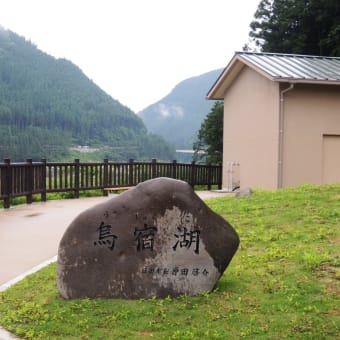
point(30, 178)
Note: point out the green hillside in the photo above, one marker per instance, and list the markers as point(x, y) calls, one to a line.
point(48, 105)
point(178, 116)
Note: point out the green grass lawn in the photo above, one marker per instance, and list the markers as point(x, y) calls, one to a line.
point(283, 283)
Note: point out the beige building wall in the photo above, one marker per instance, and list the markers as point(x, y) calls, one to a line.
point(311, 135)
point(251, 120)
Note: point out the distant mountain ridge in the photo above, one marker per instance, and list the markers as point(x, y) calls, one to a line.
point(48, 105)
point(178, 116)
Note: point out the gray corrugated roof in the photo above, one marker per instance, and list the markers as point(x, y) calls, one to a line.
point(295, 67)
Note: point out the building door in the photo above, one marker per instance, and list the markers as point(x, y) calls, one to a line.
point(331, 158)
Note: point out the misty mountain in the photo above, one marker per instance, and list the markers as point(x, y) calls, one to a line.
point(178, 116)
point(48, 105)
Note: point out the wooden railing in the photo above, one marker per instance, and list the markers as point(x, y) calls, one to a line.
point(30, 178)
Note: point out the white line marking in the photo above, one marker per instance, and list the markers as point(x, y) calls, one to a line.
point(29, 272)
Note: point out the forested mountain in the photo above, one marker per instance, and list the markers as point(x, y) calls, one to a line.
point(48, 105)
point(178, 116)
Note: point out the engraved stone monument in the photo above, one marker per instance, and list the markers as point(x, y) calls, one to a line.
point(157, 239)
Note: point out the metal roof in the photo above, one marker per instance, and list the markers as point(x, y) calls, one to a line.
point(293, 66)
point(279, 67)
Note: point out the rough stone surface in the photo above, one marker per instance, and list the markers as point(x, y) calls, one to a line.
point(157, 239)
point(246, 192)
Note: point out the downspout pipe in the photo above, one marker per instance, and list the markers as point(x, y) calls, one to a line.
point(281, 134)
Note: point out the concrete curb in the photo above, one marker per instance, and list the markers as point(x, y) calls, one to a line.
point(28, 272)
point(4, 335)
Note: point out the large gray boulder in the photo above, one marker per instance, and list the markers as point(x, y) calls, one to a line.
point(157, 239)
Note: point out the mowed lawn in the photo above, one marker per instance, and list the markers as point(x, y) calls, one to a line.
point(283, 283)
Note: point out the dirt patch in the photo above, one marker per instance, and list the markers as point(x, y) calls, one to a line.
point(330, 276)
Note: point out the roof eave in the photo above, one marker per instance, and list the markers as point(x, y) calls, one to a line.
point(227, 76)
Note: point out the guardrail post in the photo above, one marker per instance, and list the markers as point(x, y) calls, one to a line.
point(29, 181)
point(153, 168)
point(193, 174)
point(43, 180)
point(174, 169)
point(7, 183)
point(220, 169)
point(131, 172)
point(76, 178)
point(209, 176)
point(106, 177)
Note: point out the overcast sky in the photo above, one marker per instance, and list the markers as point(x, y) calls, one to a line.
point(135, 50)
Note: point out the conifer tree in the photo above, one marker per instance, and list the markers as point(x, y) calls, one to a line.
point(297, 26)
point(210, 136)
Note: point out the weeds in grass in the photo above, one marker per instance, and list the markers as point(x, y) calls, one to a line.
point(283, 283)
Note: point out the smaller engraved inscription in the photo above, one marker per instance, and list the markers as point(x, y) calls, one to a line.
point(175, 271)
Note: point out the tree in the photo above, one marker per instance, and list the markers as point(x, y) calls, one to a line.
point(210, 136)
point(297, 26)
